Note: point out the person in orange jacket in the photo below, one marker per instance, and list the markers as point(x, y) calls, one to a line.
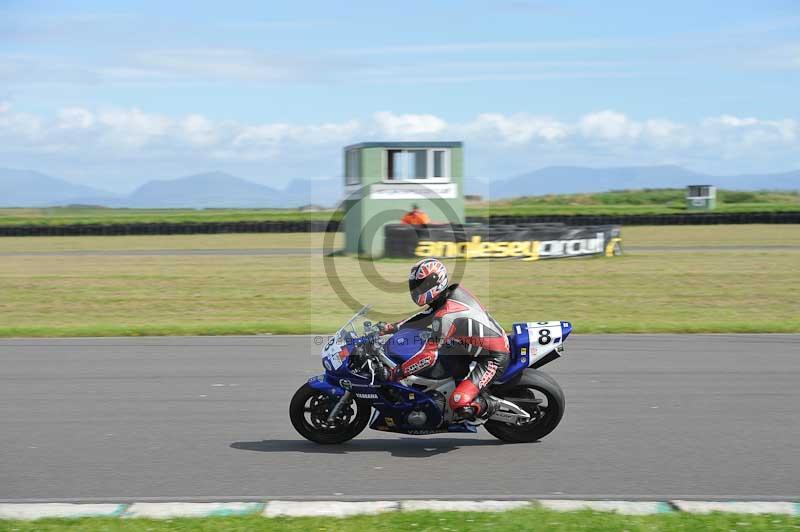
point(415, 217)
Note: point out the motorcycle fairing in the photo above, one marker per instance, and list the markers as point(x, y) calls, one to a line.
point(388, 423)
point(405, 343)
point(391, 418)
point(532, 343)
point(392, 402)
point(321, 383)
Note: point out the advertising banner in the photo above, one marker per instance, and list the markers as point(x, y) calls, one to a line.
point(527, 242)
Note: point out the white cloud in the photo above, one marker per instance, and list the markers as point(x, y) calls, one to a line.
point(170, 67)
point(783, 57)
point(131, 129)
point(462, 47)
point(517, 129)
point(605, 136)
point(199, 130)
point(75, 118)
point(609, 126)
point(21, 127)
point(218, 65)
point(407, 125)
point(748, 134)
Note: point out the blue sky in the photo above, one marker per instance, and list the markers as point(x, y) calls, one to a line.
point(113, 93)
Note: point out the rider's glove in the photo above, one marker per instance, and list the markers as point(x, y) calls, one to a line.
point(386, 328)
point(383, 373)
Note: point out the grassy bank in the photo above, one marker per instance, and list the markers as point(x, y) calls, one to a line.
point(642, 291)
point(533, 519)
point(655, 201)
point(658, 201)
point(100, 215)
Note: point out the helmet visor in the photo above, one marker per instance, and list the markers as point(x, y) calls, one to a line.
point(420, 286)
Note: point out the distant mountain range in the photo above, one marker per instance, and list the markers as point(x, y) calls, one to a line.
point(217, 189)
point(24, 188)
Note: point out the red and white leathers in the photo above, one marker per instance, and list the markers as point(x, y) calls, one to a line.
point(459, 325)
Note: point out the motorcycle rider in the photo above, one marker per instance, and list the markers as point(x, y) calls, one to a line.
point(456, 319)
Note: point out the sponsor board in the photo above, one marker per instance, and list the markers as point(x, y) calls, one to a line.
point(529, 242)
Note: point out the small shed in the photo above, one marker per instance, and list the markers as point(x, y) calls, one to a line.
point(701, 197)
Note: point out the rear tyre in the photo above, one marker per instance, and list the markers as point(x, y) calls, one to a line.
point(309, 411)
point(545, 417)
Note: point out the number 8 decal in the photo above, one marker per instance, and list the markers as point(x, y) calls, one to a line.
point(544, 336)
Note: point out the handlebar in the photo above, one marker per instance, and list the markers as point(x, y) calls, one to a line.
point(375, 357)
point(361, 340)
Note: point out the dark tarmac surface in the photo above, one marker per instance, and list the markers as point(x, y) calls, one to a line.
point(648, 417)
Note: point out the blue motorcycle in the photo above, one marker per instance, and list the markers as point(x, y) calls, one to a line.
point(336, 406)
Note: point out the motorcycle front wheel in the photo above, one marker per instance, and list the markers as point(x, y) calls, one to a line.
point(309, 411)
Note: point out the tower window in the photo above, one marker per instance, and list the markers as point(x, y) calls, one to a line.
point(404, 165)
point(352, 167)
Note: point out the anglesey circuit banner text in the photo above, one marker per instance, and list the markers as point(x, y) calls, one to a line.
point(527, 242)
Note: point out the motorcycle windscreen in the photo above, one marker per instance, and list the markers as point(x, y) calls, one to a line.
point(335, 353)
point(405, 343)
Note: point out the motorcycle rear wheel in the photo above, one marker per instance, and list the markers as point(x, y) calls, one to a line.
point(308, 412)
point(546, 417)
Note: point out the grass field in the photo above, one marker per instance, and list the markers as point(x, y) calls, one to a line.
point(99, 215)
point(656, 201)
point(660, 201)
point(743, 290)
point(533, 519)
point(178, 242)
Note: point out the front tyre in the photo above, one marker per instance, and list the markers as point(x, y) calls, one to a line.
point(545, 415)
point(309, 411)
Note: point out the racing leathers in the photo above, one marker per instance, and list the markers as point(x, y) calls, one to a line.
point(459, 327)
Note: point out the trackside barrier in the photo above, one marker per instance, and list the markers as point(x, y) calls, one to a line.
point(317, 226)
point(649, 219)
point(183, 228)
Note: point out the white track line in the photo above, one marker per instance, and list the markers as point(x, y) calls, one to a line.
point(55, 509)
point(168, 510)
point(327, 508)
point(738, 507)
point(462, 506)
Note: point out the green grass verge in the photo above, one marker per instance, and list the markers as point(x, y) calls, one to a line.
point(646, 291)
point(101, 215)
point(533, 519)
point(647, 201)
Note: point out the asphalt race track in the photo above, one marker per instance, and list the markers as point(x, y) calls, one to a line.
point(648, 417)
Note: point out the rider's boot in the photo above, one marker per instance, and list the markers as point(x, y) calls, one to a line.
point(469, 403)
point(483, 407)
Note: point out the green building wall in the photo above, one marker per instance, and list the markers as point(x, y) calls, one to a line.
point(365, 216)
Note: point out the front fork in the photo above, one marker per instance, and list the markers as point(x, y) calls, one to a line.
point(341, 403)
point(344, 396)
